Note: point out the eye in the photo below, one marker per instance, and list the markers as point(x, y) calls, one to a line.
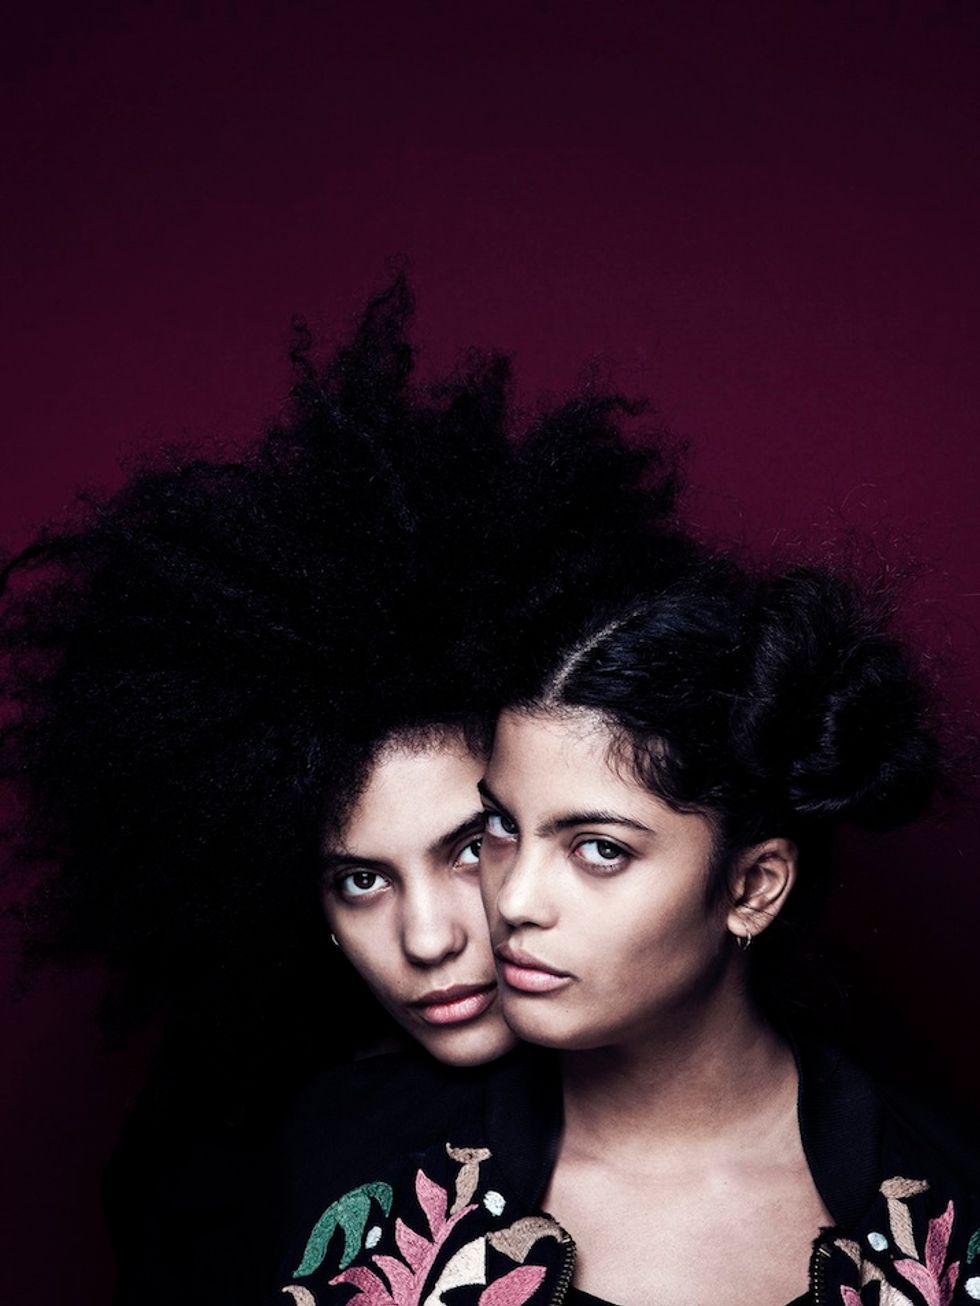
point(470, 854)
point(359, 884)
point(499, 826)
point(602, 854)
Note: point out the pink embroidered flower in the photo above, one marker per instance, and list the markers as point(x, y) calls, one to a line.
point(406, 1279)
point(515, 1288)
point(934, 1279)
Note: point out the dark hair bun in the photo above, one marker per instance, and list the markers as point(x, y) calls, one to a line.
point(834, 707)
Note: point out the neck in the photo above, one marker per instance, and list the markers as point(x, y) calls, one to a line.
point(687, 1081)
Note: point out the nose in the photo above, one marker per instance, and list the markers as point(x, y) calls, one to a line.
point(523, 896)
point(433, 929)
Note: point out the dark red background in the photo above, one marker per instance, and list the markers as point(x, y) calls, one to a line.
point(762, 214)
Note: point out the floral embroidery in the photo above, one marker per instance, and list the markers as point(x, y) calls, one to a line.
point(517, 1241)
point(466, 1180)
point(414, 1277)
point(349, 1213)
point(406, 1278)
point(929, 1273)
point(895, 1191)
point(934, 1279)
point(972, 1284)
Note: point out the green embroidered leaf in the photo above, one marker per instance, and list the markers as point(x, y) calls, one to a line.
point(974, 1247)
point(382, 1194)
point(349, 1213)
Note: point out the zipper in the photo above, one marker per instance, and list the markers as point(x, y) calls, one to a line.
point(567, 1270)
point(818, 1273)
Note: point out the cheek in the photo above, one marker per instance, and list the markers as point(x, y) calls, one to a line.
point(652, 936)
point(338, 919)
point(491, 872)
point(471, 913)
point(369, 941)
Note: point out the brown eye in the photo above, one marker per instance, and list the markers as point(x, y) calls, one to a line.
point(355, 884)
point(602, 854)
point(499, 826)
point(470, 855)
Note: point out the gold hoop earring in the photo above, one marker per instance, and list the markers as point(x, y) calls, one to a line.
point(333, 940)
point(743, 941)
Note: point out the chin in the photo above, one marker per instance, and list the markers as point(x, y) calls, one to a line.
point(547, 1028)
point(470, 1047)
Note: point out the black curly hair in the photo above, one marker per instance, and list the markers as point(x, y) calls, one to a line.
point(198, 671)
point(778, 702)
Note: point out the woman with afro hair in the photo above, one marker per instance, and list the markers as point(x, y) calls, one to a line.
point(664, 781)
point(248, 706)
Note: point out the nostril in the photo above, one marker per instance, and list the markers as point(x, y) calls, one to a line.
point(432, 948)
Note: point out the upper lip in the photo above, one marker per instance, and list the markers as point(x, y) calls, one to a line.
point(517, 957)
point(437, 997)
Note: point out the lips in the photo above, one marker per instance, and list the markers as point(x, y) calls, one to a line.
point(455, 1005)
point(527, 974)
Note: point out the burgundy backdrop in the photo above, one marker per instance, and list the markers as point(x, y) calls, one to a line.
point(764, 215)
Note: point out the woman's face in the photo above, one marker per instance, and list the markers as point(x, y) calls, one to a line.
point(597, 892)
point(402, 897)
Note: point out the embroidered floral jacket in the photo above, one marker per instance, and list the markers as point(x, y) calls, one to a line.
point(458, 1223)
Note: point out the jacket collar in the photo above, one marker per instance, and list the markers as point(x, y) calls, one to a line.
point(841, 1127)
point(523, 1118)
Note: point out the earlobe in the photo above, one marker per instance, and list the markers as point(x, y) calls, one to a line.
point(760, 884)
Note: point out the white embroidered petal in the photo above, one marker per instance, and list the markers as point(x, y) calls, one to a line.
point(973, 1288)
point(494, 1202)
point(467, 1268)
point(878, 1241)
point(373, 1236)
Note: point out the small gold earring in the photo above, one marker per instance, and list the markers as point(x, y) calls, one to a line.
point(742, 941)
point(333, 940)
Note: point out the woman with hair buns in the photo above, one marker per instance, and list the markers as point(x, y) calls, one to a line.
point(659, 800)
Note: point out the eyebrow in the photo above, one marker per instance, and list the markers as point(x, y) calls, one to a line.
point(472, 825)
point(589, 818)
point(334, 858)
point(571, 819)
point(337, 857)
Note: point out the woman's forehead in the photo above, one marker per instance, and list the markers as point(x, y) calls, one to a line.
point(415, 795)
point(568, 750)
point(555, 771)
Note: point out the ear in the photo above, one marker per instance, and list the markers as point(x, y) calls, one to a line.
point(760, 883)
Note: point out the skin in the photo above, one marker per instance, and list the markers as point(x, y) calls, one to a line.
point(402, 898)
point(680, 1172)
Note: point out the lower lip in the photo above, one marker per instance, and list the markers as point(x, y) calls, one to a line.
point(528, 980)
point(459, 1010)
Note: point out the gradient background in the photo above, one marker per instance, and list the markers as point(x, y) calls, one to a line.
point(764, 215)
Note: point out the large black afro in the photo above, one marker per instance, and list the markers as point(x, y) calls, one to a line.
point(198, 670)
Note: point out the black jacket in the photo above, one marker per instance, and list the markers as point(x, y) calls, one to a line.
point(404, 1182)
